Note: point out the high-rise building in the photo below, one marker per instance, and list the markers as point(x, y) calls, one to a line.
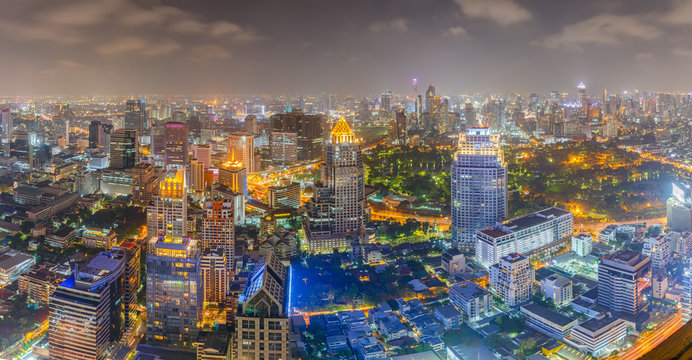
point(679, 208)
point(470, 114)
point(536, 235)
point(286, 194)
point(135, 115)
point(233, 174)
point(131, 278)
point(658, 248)
point(472, 299)
point(87, 311)
point(174, 291)
point(124, 149)
point(7, 128)
point(241, 147)
point(337, 210)
point(250, 124)
point(196, 176)
point(558, 288)
point(218, 229)
point(308, 129)
point(175, 145)
point(479, 186)
point(401, 127)
point(215, 275)
point(167, 213)
point(512, 278)
point(282, 146)
point(203, 154)
point(262, 326)
point(236, 199)
point(687, 294)
point(622, 277)
point(100, 136)
point(143, 183)
point(386, 100)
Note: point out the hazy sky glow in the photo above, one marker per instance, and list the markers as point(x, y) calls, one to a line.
point(354, 46)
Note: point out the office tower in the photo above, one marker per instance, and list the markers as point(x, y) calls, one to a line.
point(175, 145)
point(430, 99)
point(512, 278)
point(308, 129)
point(196, 176)
point(86, 310)
point(286, 194)
point(584, 99)
point(622, 277)
point(679, 208)
point(135, 115)
point(401, 127)
point(143, 183)
point(536, 235)
point(179, 116)
point(470, 114)
point(131, 279)
point(687, 294)
point(215, 275)
point(236, 199)
point(386, 100)
point(167, 213)
point(7, 128)
point(337, 209)
point(479, 186)
point(203, 154)
point(218, 229)
point(658, 248)
point(233, 175)
point(582, 244)
point(250, 124)
point(241, 147)
point(282, 146)
point(174, 291)
point(262, 325)
point(124, 149)
point(100, 136)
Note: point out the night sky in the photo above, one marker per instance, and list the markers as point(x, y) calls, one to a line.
point(134, 47)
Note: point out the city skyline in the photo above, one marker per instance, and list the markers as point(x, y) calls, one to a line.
point(117, 46)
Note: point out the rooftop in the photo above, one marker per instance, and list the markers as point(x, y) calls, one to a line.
point(596, 324)
point(548, 314)
point(525, 222)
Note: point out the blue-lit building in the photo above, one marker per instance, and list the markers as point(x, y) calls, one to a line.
point(87, 311)
point(262, 324)
point(174, 291)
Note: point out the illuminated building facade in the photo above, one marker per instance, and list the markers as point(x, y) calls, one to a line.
point(479, 186)
point(337, 209)
point(167, 213)
point(241, 147)
point(86, 311)
point(99, 238)
point(262, 324)
point(283, 149)
point(196, 176)
point(218, 229)
point(135, 115)
point(286, 194)
point(131, 277)
point(621, 281)
point(512, 278)
point(175, 151)
point(143, 183)
point(233, 174)
point(174, 291)
point(307, 127)
point(215, 274)
point(679, 208)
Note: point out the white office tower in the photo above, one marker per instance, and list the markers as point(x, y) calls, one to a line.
point(512, 278)
point(479, 186)
point(659, 250)
point(167, 213)
point(679, 208)
point(622, 277)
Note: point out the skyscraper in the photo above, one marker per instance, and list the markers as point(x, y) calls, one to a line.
point(86, 310)
point(622, 277)
point(174, 291)
point(218, 229)
point(167, 213)
point(679, 208)
point(233, 174)
point(124, 149)
point(262, 326)
point(286, 194)
point(196, 176)
point(143, 183)
point(100, 136)
point(7, 128)
point(386, 100)
point(214, 270)
point(479, 186)
point(339, 201)
point(308, 129)
point(135, 115)
point(175, 145)
point(203, 154)
point(241, 147)
point(250, 124)
point(283, 148)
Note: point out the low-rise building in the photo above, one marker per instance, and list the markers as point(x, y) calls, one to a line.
point(659, 285)
point(548, 322)
point(39, 284)
point(474, 301)
point(449, 316)
point(61, 238)
point(558, 288)
point(607, 235)
point(596, 334)
point(582, 244)
point(14, 263)
point(454, 262)
point(213, 345)
point(99, 238)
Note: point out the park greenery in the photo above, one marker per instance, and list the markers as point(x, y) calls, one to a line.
point(596, 181)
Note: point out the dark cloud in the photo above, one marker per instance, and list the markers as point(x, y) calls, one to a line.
point(356, 46)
